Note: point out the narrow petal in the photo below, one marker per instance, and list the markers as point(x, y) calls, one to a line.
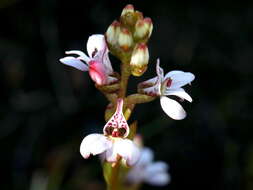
point(128, 150)
point(178, 92)
point(94, 144)
point(74, 62)
point(111, 80)
point(159, 70)
point(156, 174)
point(148, 83)
point(151, 91)
point(146, 157)
point(156, 167)
point(179, 78)
point(158, 179)
point(82, 56)
point(172, 108)
point(96, 43)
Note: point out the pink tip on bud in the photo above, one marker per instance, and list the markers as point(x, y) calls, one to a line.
point(139, 15)
point(139, 59)
point(127, 9)
point(112, 33)
point(97, 72)
point(125, 39)
point(143, 28)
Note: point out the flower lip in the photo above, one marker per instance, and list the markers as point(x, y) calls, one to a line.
point(117, 126)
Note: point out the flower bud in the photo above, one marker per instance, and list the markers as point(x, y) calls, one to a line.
point(139, 59)
point(125, 39)
point(138, 15)
point(129, 9)
point(128, 17)
point(143, 28)
point(112, 33)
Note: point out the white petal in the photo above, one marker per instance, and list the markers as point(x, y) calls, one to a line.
point(149, 82)
point(156, 167)
point(94, 144)
point(107, 63)
point(95, 42)
point(146, 157)
point(82, 56)
point(156, 174)
point(128, 150)
point(136, 175)
point(159, 179)
point(159, 70)
point(178, 92)
point(111, 80)
point(111, 154)
point(153, 90)
point(172, 108)
point(74, 62)
point(179, 78)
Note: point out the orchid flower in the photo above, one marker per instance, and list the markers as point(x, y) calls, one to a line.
point(145, 170)
point(168, 85)
point(97, 62)
point(112, 145)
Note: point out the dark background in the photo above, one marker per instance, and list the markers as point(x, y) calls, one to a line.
point(47, 108)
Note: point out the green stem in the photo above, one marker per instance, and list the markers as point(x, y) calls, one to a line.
point(125, 73)
point(114, 183)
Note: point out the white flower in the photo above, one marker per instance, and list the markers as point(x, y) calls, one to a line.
point(97, 63)
point(145, 170)
point(113, 143)
point(168, 85)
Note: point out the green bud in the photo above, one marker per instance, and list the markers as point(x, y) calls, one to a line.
point(139, 59)
point(112, 33)
point(125, 39)
point(143, 28)
point(127, 17)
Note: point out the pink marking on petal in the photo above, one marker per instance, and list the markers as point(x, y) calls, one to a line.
point(97, 72)
point(168, 82)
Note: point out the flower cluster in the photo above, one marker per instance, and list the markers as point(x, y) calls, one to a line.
point(126, 38)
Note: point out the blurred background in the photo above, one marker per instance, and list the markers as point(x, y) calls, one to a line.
point(47, 108)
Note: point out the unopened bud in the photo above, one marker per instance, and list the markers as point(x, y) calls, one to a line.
point(139, 59)
point(143, 28)
point(112, 33)
point(128, 9)
point(138, 15)
point(125, 39)
point(128, 17)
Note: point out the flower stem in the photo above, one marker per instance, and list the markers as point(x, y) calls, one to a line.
point(114, 183)
point(125, 73)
